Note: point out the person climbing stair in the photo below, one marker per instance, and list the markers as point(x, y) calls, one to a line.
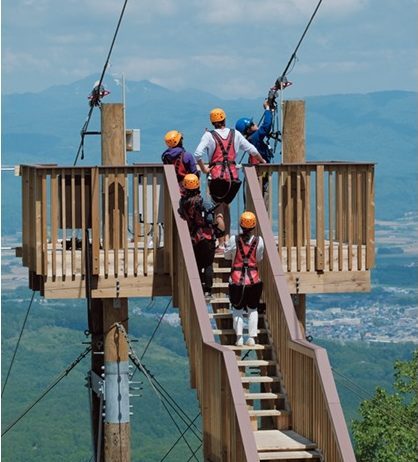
point(245, 286)
point(204, 227)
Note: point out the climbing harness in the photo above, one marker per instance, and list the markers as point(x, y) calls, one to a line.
point(224, 174)
point(96, 95)
point(244, 269)
point(195, 215)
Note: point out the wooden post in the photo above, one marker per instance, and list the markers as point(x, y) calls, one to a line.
point(110, 347)
point(293, 152)
point(293, 149)
point(116, 422)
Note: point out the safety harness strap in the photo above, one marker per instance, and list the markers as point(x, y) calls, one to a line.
point(225, 162)
point(245, 257)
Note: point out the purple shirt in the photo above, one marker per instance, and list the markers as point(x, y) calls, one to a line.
point(170, 155)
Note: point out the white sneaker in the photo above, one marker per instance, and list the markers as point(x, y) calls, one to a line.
point(250, 341)
point(240, 341)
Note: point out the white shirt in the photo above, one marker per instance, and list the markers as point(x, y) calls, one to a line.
point(231, 248)
point(207, 144)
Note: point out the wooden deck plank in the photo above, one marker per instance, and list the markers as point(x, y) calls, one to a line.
point(289, 455)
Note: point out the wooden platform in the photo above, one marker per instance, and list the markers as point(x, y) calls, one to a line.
point(139, 272)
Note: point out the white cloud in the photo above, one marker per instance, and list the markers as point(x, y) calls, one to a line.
point(149, 68)
point(21, 62)
point(282, 12)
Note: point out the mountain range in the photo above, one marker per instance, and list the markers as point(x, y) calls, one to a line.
point(376, 127)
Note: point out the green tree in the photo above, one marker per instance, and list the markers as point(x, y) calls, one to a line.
point(387, 431)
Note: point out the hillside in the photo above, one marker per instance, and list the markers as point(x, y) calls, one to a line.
point(45, 127)
point(58, 427)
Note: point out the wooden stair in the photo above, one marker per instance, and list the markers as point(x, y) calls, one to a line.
point(284, 445)
point(266, 398)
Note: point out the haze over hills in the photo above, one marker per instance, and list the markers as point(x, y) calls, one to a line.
point(378, 127)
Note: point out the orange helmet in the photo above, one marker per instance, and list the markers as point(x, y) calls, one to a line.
point(247, 220)
point(191, 181)
point(172, 138)
point(217, 115)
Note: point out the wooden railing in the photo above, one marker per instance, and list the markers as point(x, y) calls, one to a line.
point(108, 218)
point(308, 380)
point(227, 429)
point(108, 222)
point(322, 214)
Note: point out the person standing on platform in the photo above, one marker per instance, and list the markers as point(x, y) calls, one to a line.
point(245, 286)
point(259, 137)
point(221, 146)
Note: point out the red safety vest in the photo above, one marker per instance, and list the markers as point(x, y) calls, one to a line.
point(192, 212)
point(244, 269)
point(223, 165)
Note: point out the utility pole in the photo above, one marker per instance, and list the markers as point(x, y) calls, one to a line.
point(110, 352)
point(293, 152)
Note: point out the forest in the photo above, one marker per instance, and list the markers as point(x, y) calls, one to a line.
point(57, 428)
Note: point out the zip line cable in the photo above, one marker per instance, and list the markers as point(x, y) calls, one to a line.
point(152, 380)
point(195, 451)
point(140, 366)
point(161, 392)
point(176, 407)
point(50, 387)
point(280, 84)
point(293, 57)
point(179, 438)
point(155, 330)
point(96, 91)
point(181, 433)
point(17, 344)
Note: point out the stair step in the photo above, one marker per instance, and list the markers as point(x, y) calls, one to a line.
point(256, 363)
point(259, 379)
point(232, 332)
point(220, 285)
point(267, 412)
point(281, 440)
point(227, 315)
point(246, 347)
point(220, 269)
point(289, 455)
point(259, 396)
point(219, 300)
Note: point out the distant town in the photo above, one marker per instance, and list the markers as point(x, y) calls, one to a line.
point(389, 313)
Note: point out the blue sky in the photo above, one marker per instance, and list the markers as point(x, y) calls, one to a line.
point(231, 48)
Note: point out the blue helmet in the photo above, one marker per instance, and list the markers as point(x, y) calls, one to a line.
point(243, 124)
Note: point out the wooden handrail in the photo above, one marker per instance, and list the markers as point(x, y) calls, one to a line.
point(213, 371)
point(307, 375)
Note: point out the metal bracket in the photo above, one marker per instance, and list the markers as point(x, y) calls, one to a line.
point(97, 384)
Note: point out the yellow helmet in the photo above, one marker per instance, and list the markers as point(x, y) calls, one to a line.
point(217, 115)
point(247, 220)
point(191, 181)
point(172, 138)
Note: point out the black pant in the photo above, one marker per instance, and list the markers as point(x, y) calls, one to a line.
point(241, 296)
point(204, 252)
